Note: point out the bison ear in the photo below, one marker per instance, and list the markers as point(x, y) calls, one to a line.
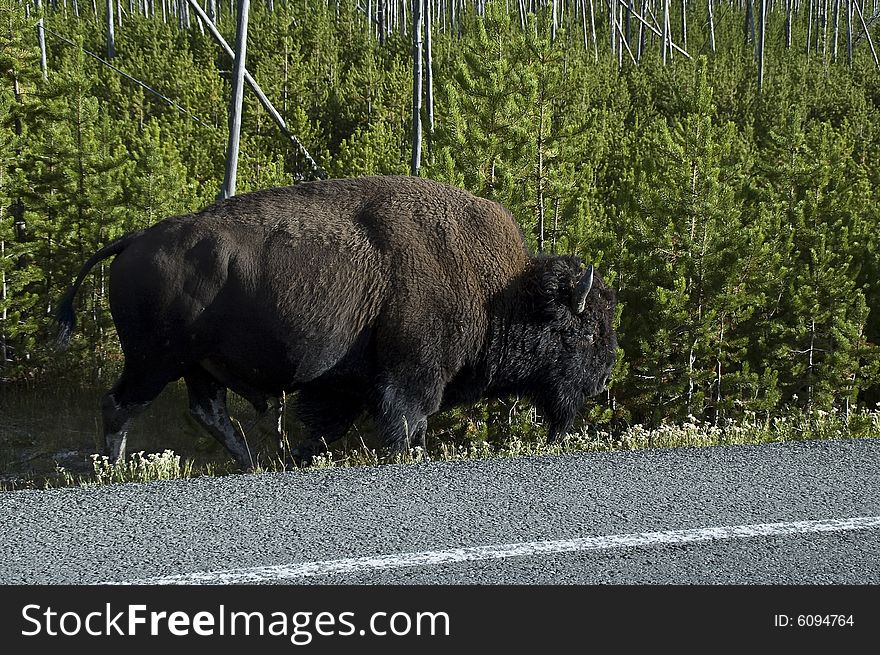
point(581, 291)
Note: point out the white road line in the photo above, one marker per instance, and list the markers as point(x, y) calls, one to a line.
point(297, 570)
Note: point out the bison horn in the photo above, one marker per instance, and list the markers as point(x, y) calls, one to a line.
point(582, 290)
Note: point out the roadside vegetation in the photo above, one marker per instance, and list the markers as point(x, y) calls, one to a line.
point(751, 430)
point(736, 222)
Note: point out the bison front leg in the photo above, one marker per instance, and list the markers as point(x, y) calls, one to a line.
point(560, 416)
point(207, 404)
point(402, 419)
point(327, 410)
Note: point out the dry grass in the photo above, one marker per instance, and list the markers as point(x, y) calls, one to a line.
point(796, 426)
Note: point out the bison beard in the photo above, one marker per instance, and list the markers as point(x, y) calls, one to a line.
point(392, 296)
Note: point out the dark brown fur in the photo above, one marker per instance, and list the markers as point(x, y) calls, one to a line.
point(393, 295)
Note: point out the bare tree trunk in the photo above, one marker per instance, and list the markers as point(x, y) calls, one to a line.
point(41, 39)
point(849, 34)
point(692, 357)
point(867, 34)
point(539, 174)
point(539, 163)
point(111, 37)
point(212, 29)
point(593, 31)
point(761, 34)
point(228, 189)
point(624, 45)
point(285, 88)
point(811, 365)
point(402, 21)
point(788, 13)
point(749, 26)
point(718, 370)
point(684, 25)
point(583, 12)
point(641, 44)
point(809, 27)
point(711, 26)
point(612, 20)
point(629, 13)
point(416, 162)
point(429, 73)
point(824, 30)
point(836, 20)
point(666, 36)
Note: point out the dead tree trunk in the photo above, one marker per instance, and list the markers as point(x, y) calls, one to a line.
point(41, 39)
point(268, 106)
point(593, 31)
point(539, 164)
point(429, 73)
point(788, 13)
point(867, 34)
point(711, 26)
point(684, 25)
point(416, 162)
point(667, 37)
point(761, 33)
point(809, 27)
point(849, 34)
point(749, 26)
point(836, 19)
point(228, 189)
point(111, 36)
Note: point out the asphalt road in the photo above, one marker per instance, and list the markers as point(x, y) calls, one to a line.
point(797, 513)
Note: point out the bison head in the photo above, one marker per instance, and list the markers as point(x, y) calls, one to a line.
point(568, 337)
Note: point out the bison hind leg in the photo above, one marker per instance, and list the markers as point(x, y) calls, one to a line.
point(207, 404)
point(130, 396)
point(275, 408)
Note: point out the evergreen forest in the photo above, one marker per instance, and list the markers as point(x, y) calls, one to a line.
point(717, 160)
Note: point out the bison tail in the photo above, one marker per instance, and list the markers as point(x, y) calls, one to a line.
point(66, 318)
point(65, 315)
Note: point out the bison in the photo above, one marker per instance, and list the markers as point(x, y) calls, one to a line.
point(392, 296)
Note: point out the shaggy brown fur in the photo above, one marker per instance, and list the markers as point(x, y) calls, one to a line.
point(393, 295)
